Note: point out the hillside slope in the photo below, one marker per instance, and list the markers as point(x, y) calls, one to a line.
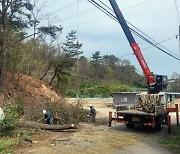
point(28, 88)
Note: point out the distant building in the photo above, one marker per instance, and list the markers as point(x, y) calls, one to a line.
point(171, 80)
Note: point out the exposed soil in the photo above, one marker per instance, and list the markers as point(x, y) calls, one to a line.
point(30, 89)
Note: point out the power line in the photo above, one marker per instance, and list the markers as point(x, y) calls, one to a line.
point(87, 11)
point(155, 42)
point(79, 14)
point(103, 9)
point(177, 11)
point(50, 4)
point(154, 45)
point(77, 28)
point(135, 27)
point(83, 22)
point(135, 32)
point(151, 46)
point(161, 42)
point(178, 16)
point(67, 6)
point(114, 18)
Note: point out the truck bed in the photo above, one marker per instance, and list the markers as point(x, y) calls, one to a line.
point(133, 111)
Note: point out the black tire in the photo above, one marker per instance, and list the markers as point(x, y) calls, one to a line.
point(158, 127)
point(130, 125)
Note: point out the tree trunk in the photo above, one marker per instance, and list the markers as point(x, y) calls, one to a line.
point(45, 72)
point(36, 125)
point(4, 46)
point(55, 73)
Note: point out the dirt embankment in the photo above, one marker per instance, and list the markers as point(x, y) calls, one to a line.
point(30, 89)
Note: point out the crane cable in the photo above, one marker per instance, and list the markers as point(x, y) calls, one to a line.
point(133, 31)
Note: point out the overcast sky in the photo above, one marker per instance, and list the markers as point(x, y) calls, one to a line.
point(98, 32)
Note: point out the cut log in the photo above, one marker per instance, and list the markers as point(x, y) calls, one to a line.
point(36, 125)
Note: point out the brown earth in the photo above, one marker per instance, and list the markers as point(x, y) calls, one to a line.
point(30, 89)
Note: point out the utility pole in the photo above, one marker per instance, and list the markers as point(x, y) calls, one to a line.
point(77, 31)
point(179, 40)
point(178, 17)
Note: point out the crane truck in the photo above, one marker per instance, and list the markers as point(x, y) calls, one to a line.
point(151, 108)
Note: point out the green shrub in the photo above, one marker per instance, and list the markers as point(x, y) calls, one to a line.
point(104, 90)
point(12, 113)
point(7, 126)
point(172, 141)
point(6, 146)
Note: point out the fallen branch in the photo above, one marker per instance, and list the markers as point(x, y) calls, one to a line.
point(36, 125)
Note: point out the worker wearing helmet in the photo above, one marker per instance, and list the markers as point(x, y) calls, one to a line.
point(48, 117)
point(92, 113)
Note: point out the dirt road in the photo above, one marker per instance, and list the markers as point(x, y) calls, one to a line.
point(97, 138)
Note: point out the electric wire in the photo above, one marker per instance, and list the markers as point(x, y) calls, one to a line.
point(77, 28)
point(114, 18)
point(103, 9)
point(77, 34)
point(151, 38)
point(97, 18)
point(50, 4)
point(162, 41)
point(135, 32)
point(79, 13)
point(150, 46)
point(129, 54)
point(177, 11)
point(65, 7)
point(155, 45)
point(136, 27)
point(178, 16)
point(86, 11)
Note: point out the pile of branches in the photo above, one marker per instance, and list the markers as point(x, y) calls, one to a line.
point(63, 112)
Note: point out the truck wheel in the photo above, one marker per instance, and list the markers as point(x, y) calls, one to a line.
point(130, 125)
point(158, 127)
point(109, 123)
